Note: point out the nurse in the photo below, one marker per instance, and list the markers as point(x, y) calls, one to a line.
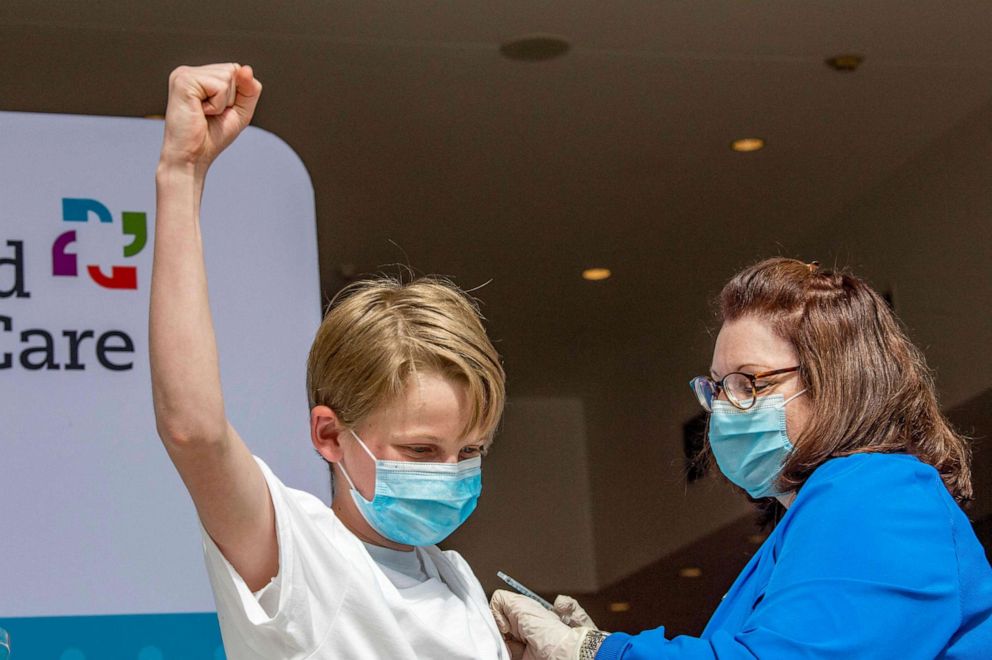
point(820, 404)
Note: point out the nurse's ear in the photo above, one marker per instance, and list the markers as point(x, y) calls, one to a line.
point(325, 433)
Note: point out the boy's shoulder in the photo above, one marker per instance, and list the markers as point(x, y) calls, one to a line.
point(303, 514)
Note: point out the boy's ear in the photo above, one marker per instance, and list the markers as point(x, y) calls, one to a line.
point(325, 433)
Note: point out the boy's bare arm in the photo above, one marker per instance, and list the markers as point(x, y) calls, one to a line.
point(208, 108)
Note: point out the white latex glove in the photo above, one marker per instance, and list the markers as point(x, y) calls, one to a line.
point(572, 614)
point(545, 637)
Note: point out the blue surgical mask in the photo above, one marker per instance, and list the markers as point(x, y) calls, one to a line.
point(751, 445)
point(418, 503)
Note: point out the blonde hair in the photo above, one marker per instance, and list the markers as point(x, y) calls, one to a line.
point(378, 332)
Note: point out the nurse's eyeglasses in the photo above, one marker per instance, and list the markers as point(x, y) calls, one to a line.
point(742, 388)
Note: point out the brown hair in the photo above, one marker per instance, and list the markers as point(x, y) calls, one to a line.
point(869, 387)
point(378, 332)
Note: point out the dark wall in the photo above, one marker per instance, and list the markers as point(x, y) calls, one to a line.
point(974, 419)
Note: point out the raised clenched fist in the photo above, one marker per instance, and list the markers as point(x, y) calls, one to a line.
point(208, 108)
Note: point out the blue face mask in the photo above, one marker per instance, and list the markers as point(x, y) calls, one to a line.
point(418, 503)
point(751, 445)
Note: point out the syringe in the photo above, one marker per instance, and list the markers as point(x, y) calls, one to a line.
point(516, 586)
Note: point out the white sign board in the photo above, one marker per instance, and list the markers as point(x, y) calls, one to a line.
point(95, 521)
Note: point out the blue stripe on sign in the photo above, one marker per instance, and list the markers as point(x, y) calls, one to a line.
point(118, 637)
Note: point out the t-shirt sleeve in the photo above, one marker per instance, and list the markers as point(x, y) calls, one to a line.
point(268, 596)
point(287, 617)
point(866, 567)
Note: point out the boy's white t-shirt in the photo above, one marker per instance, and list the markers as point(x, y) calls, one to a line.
point(336, 597)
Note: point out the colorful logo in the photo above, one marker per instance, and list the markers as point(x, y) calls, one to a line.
point(133, 223)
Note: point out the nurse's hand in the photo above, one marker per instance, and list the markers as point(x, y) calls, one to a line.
point(522, 620)
point(572, 614)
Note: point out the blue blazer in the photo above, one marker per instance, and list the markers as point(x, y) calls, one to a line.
point(874, 559)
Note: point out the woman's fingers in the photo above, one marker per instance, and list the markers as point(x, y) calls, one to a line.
point(545, 637)
point(571, 613)
point(504, 613)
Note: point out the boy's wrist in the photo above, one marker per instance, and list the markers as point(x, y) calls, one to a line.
point(170, 172)
point(177, 180)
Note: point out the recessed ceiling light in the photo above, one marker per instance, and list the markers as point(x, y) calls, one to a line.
point(846, 62)
point(596, 274)
point(621, 606)
point(747, 144)
point(690, 572)
point(535, 47)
